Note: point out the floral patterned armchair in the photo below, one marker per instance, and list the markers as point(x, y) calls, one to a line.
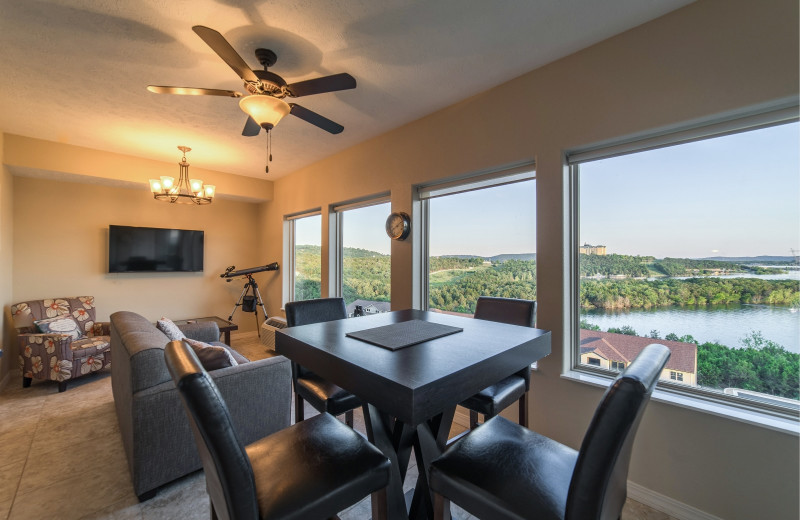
point(60, 340)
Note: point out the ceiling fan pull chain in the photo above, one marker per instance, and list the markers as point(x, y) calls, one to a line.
point(269, 150)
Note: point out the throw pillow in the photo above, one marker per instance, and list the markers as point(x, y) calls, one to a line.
point(169, 328)
point(211, 357)
point(60, 325)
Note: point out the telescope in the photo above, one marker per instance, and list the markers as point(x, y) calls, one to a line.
point(248, 302)
point(230, 273)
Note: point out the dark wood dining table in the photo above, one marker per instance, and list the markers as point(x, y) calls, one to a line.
point(410, 395)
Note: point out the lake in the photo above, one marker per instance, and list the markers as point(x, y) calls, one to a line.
point(723, 324)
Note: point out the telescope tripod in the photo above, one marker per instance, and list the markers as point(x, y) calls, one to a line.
point(245, 303)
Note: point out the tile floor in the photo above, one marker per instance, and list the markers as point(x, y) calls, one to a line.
point(88, 478)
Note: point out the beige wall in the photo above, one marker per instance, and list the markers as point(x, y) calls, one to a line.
point(88, 165)
point(705, 60)
point(6, 257)
point(61, 248)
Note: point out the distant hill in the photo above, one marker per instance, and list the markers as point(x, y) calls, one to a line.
point(751, 259)
point(498, 258)
point(513, 256)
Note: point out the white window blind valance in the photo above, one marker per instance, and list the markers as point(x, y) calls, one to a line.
point(362, 203)
point(303, 214)
point(706, 130)
point(518, 173)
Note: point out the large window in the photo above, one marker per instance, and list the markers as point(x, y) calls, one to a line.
point(305, 263)
point(694, 245)
point(365, 257)
point(481, 240)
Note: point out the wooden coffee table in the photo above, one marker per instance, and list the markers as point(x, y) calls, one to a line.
point(225, 326)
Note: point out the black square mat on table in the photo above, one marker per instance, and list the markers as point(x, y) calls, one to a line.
point(404, 334)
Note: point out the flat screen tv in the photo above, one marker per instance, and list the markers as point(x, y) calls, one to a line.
point(146, 250)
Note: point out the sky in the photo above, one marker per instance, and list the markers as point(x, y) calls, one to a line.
point(736, 195)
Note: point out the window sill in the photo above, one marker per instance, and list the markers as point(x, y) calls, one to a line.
point(764, 420)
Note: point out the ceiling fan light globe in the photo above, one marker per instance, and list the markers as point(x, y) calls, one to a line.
point(265, 110)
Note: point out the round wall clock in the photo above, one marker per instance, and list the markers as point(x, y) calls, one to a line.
point(398, 225)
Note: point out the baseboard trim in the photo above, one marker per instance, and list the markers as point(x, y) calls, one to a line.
point(666, 504)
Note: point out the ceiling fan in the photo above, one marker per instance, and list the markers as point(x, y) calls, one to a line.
point(264, 104)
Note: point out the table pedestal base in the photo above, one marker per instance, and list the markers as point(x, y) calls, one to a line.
point(395, 439)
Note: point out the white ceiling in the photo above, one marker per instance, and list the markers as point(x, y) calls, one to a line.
point(76, 71)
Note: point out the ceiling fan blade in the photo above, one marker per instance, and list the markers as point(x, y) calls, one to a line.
point(251, 128)
point(315, 119)
point(192, 91)
point(220, 45)
point(341, 81)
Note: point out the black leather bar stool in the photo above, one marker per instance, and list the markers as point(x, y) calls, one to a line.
point(311, 470)
point(501, 470)
point(308, 386)
point(496, 398)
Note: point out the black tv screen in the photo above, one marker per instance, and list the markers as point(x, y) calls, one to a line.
point(143, 249)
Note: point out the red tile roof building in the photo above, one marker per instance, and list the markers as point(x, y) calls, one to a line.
point(616, 351)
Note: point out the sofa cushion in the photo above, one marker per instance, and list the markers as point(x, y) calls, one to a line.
point(168, 327)
point(66, 325)
point(212, 357)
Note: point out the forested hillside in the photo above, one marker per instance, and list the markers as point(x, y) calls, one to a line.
point(456, 282)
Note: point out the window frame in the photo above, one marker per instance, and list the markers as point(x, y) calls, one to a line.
point(510, 174)
point(713, 401)
point(289, 260)
point(336, 256)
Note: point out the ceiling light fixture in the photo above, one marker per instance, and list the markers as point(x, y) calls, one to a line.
point(186, 190)
point(266, 111)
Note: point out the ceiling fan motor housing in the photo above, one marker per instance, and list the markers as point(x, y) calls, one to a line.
point(271, 84)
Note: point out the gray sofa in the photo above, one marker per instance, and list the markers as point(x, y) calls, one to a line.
point(155, 431)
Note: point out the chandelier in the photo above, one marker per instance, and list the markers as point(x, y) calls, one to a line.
point(186, 190)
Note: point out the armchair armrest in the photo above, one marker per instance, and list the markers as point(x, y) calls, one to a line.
point(33, 345)
point(206, 331)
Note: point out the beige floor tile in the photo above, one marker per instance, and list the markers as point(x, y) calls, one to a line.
point(73, 496)
point(5, 508)
point(75, 426)
point(636, 511)
point(93, 455)
point(186, 499)
point(20, 414)
point(9, 479)
point(126, 509)
point(84, 392)
point(22, 423)
point(14, 446)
